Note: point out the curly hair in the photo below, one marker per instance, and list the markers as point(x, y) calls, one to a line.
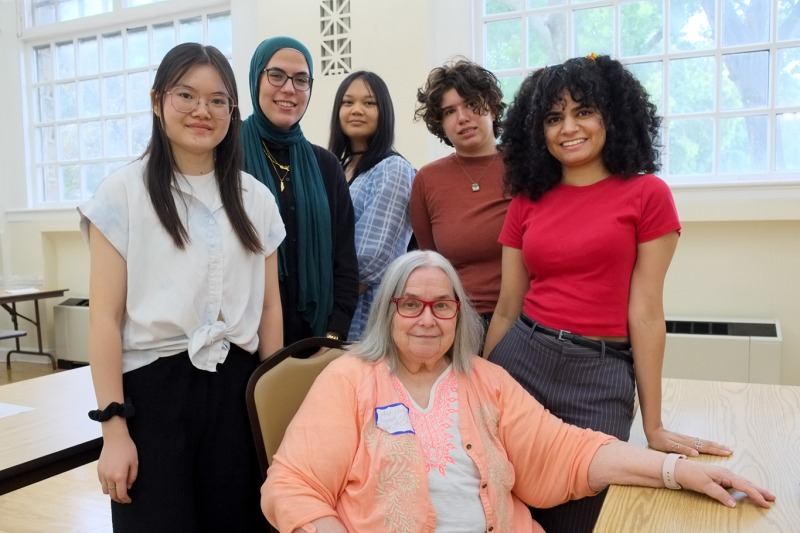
point(630, 120)
point(472, 82)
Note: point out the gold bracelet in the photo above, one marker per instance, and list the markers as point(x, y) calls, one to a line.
point(333, 335)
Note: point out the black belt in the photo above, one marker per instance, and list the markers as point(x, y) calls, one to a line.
point(612, 348)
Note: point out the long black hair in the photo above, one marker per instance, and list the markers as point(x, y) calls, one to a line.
point(381, 144)
point(161, 168)
point(629, 118)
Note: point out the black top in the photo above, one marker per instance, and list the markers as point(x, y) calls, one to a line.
point(345, 262)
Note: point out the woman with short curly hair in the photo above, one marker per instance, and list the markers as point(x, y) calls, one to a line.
point(587, 242)
point(457, 202)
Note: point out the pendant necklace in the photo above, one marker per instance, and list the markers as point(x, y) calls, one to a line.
point(476, 183)
point(275, 166)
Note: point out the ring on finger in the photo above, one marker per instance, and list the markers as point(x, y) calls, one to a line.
point(698, 443)
point(675, 446)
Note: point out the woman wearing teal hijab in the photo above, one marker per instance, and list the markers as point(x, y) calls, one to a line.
point(318, 267)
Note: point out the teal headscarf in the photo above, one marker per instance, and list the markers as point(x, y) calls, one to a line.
point(315, 257)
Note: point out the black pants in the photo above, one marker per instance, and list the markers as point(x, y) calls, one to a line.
point(581, 386)
point(197, 466)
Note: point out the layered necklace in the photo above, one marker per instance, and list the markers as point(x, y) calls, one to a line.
point(476, 183)
point(277, 167)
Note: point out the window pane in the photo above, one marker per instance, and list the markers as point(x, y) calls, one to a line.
point(493, 7)
point(191, 31)
point(137, 48)
point(641, 28)
point(45, 110)
point(88, 58)
point(113, 95)
point(788, 28)
point(650, 75)
point(70, 182)
point(67, 101)
point(163, 40)
point(219, 32)
point(65, 60)
point(509, 85)
point(141, 127)
point(139, 91)
point(46, 144)
point(112, 52)
point(44, 14)
point(68, 10)
point(691, 85)
point(743, 145)
point(788, 131)
point(745, 80)
point(43, 70)
point(533, 4)
point(68, 142)
point(91, 140)
point(503, 44)
point(48, 183)
point(745, 22)
point(116, 137)
point(788, 89)
point(547, 39)
point(692, 25)
point(92, 176)
point(90, 98)
point(690, 146)
point(594, 31)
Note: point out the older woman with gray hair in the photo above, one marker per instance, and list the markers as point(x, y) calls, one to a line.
point(411, 431)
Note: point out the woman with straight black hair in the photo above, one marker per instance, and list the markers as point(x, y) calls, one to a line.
point(362, 137)
point(184, 290)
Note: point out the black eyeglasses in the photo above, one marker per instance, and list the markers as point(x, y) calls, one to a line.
point(413, 307)
point(277, 78)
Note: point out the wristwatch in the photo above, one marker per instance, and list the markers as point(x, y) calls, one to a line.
point(333, 335)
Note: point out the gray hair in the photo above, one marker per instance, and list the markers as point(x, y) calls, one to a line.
point(377, 343)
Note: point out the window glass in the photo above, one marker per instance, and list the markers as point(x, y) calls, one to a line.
point(690, 146)
point(788, 84)
point(641, 28)
point(743, 145)
point(506, 49)
point(692, 24)
point(548, 39)
point(594, 31)
point(745, 80)
point(90, 94)
point(788, 131)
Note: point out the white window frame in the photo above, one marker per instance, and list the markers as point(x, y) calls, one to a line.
point(73, 30)
point(727, 198)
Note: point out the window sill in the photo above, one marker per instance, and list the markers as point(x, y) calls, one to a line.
point(726, 203)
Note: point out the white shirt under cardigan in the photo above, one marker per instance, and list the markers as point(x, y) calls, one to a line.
point(201, 298)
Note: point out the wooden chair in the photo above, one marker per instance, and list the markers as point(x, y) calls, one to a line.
point(276, 389)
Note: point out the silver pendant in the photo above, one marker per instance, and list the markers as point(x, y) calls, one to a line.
point(475, 187)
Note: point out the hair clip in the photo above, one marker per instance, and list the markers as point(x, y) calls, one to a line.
point(591, 56)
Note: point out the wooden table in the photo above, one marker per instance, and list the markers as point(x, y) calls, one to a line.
point(762, 425)
point(52, 437)
point(9, 303)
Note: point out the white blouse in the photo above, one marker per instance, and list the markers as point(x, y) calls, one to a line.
point(201, 298)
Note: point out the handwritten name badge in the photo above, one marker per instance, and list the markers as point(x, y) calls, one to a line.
point(393, 419)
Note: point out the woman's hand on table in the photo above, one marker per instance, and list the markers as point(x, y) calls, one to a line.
point(715, 481)
point(671, 442)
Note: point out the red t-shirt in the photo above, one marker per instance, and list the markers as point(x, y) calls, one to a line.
point(579, 246)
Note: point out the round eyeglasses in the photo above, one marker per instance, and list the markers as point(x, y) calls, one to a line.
point(413, 307)
point(278, 78)
point(186, 101)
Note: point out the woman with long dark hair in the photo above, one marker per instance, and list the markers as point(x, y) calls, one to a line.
point(362, 137)
point(184, 290)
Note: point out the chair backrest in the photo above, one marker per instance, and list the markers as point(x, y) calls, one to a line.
point(276, 389)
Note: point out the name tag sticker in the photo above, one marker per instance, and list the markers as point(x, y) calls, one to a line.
point(393, 419)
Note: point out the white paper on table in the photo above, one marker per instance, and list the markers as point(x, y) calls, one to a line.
point(9, 409)
point(24, 290)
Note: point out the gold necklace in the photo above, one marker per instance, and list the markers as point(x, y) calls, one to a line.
point(476, 184)
point(275, 166)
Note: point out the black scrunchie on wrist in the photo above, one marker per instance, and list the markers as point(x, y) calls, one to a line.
point(125, 410)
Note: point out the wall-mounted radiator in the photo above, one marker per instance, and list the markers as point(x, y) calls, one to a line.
point(747, 351)
point(71, 324)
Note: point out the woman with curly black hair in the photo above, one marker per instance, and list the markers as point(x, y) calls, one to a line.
point(587, 242)
point(457, 202)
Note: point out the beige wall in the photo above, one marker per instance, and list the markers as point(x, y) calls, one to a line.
point(739, 261)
